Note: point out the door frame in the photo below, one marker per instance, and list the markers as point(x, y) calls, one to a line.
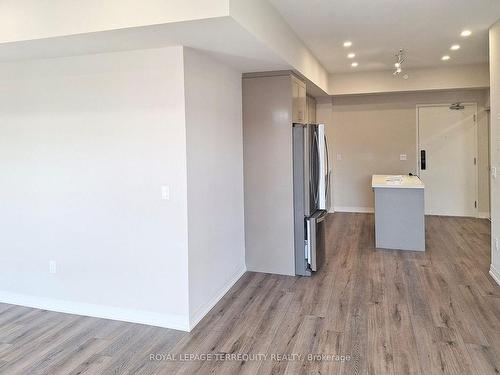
point(476, 177)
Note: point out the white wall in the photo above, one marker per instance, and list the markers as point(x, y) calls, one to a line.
point(419, 79)
point(215, 180)
point(371, 131)
point(85, 145)
point(495, 146)
point(34, 19)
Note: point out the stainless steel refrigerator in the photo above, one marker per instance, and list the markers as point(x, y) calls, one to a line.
point(311, 192)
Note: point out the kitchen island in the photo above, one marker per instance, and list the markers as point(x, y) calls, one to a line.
point(399, 212)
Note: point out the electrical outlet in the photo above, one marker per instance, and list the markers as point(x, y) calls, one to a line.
point(165, 193)
point(52, 266)
point(494, 172)
point(339, 156)
point(496, 244)
point(403, 157)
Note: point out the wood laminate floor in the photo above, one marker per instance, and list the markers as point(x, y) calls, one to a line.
point(373, 311)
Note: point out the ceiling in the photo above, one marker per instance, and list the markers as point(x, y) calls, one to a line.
point(426, 29)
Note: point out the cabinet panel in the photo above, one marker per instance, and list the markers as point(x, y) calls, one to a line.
point(311, 109)
point(299, 100)
point(267, 140)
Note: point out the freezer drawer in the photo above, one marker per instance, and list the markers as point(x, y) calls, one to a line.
point(316, 239)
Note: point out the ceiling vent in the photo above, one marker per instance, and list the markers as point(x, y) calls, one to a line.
point(456, 106)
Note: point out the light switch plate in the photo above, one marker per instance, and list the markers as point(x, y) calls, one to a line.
point(165, 193)
point(403, 157)
point(52, 266)
point(494, 172)
point(339, 156)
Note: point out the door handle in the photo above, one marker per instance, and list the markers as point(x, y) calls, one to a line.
point(423, 162)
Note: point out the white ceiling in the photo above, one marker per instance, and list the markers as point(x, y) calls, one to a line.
point(379, 28)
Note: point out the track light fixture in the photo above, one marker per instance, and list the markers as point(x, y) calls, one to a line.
point(400, 59)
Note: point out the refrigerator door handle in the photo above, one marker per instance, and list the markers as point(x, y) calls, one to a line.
point(327, 174)
point(322, 167)
point(307, 171)
point(317, 183)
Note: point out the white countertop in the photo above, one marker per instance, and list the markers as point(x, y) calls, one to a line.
point(396, 181)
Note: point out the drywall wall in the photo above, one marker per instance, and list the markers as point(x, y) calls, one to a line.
point(33, 19)
point(421, 79)
point(268, 165)
point(215, 180)
point(370, 132)
point(495, 148)
point(85, 145)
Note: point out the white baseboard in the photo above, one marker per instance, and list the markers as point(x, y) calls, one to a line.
point(171, 321)
point(203, 310)
point(483, 215)
point(368, 210)
point(495, 274)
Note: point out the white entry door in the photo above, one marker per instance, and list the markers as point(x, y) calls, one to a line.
point(447, 159)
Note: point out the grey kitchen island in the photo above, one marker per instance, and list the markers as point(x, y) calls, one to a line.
point(399, 212)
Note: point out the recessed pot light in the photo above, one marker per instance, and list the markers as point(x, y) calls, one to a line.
point(455, 47)
point(446, 57)
point(466, 33)
point(354, 64)
point(347, 43)
point(351, 56)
